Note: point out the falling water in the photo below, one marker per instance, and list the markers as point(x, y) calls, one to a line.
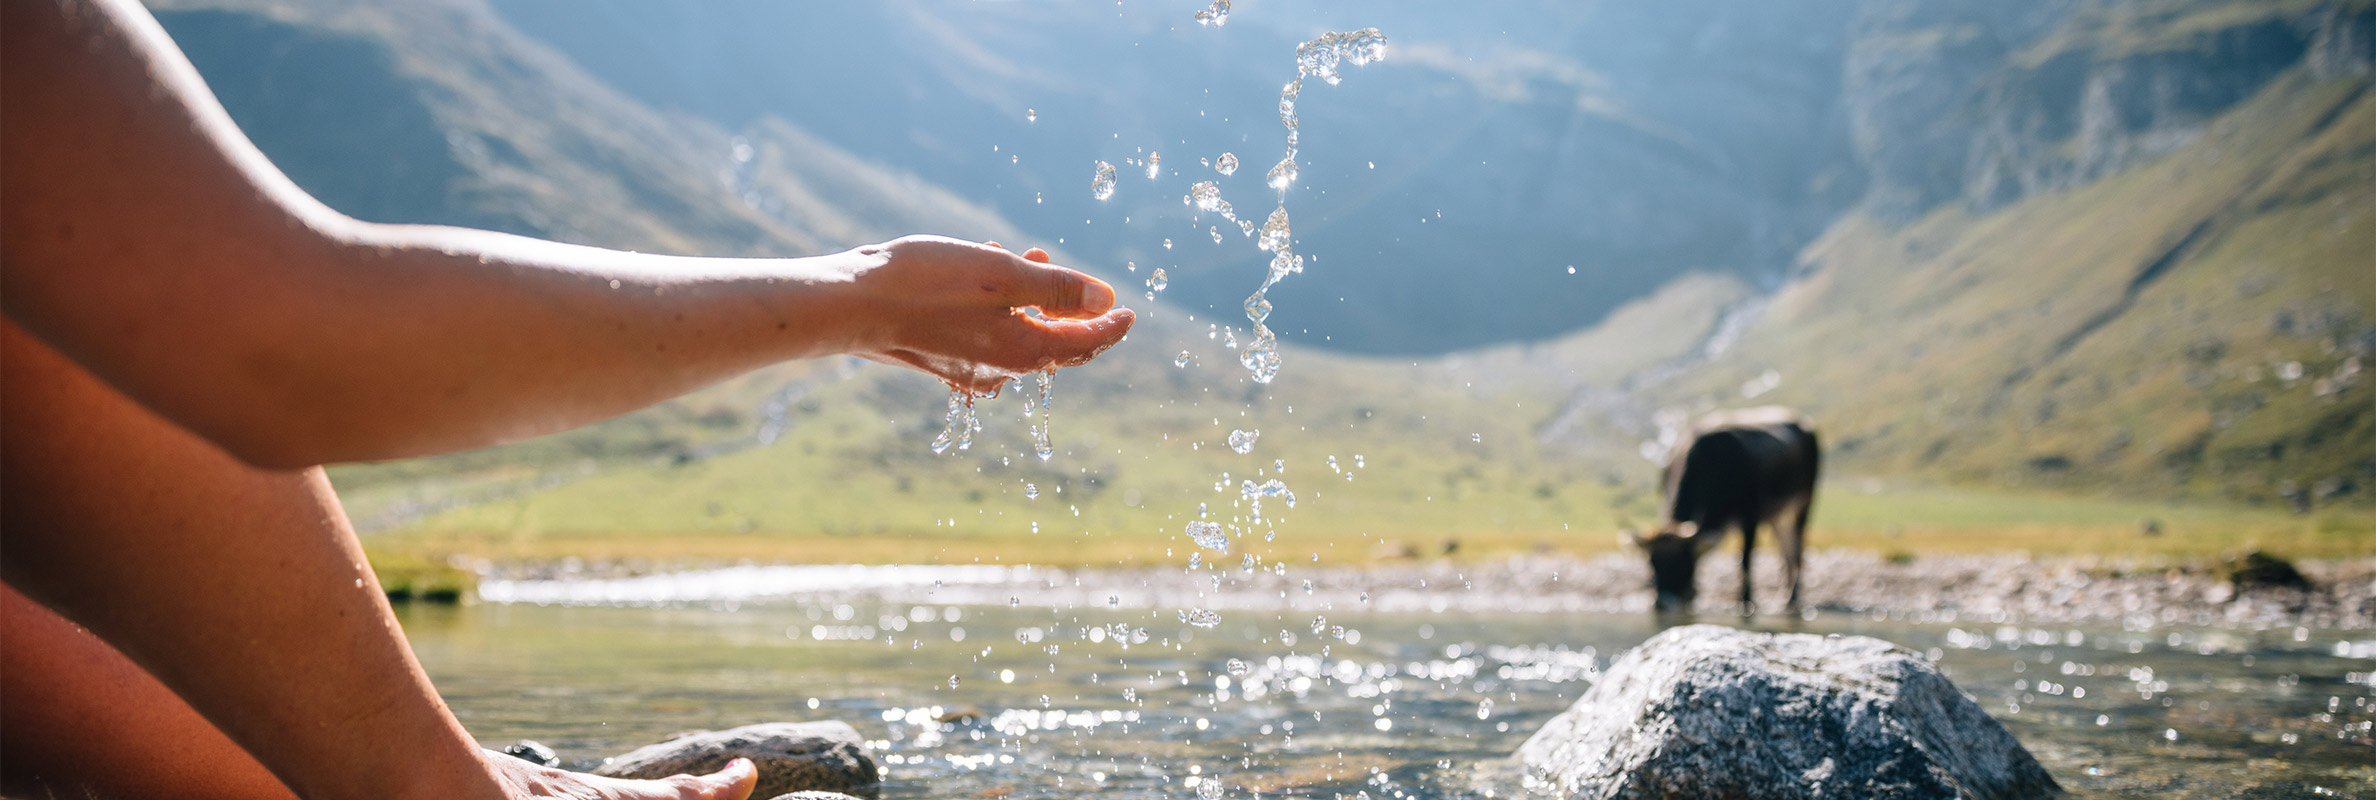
point(1039, 430)
point(1316, 58)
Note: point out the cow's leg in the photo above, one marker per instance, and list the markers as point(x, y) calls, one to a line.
point(1748, 528)
point(1794, 544)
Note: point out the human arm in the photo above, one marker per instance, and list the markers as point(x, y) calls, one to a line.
point(148, 240)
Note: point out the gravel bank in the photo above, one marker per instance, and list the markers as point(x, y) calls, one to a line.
point(1995, 588)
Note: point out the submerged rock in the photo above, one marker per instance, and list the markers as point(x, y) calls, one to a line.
point(1709, 711)
point(791, 757)
point(533, 752)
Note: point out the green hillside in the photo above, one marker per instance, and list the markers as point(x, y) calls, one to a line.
point(2196, 327)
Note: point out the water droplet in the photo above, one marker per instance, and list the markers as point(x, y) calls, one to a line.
point(1236, 666)
point(1243, 441)
point(1037, 197)
point(1208, 535)
point(1157, 281)
point(1031, 491)
point(1282, 175)
point(1216, 231)
point(1215, 15)
point(1154, 165)
point(1227, 165)
point(1332, 465)
point(1571, 269)
point(1485, 708)
point(1209, 789)
point(1319, 624)
point(1477, 437)
point(1101, 185)
point(1357, 462)
point(1183, 359)
point(1167, 244)
point(952, 681)
point(1199, 617)
point(1195, 560)
point(1030, 115)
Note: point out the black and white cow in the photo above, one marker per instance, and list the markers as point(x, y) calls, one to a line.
point(1736, 469)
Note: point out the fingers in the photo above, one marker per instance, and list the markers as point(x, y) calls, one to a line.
point(1074, 342)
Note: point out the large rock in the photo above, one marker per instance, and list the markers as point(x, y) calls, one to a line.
point(791, 756)
point(1708, 711)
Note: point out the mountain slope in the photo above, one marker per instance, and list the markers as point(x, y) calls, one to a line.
point(2197, 325)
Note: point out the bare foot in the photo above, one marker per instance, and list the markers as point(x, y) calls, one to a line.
point(524, 780)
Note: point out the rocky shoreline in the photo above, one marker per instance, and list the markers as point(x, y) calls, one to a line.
point(1995, 588)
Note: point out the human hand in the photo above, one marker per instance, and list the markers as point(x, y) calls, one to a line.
point(956, 309)
point(525, 780)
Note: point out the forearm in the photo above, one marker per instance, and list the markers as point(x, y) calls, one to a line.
point(382, 341)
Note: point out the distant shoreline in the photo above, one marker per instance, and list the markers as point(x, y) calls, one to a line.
point(2133, 592)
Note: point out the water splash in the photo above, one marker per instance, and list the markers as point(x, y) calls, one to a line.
point(1202, 618)
point(1215, 15)
point(1154, 165)
point(1243, 441)
point(1320, 58)
point(1101, 185)
point(1252, 493)
point(1227, 164)
point(1208, 535)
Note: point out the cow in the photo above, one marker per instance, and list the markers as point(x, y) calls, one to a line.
point(1737, 469)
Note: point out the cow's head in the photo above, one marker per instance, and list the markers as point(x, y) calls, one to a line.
point(1674, 551)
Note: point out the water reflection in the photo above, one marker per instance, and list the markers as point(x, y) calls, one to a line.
point(1055, 702)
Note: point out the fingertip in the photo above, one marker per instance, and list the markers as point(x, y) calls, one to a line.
point(1097, 297)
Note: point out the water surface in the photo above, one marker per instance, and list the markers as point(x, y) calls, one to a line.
point(1123, 702)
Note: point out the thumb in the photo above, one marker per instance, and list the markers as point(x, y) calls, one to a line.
point(1060, 292)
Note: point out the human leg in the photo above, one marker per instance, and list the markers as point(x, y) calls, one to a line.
point(242, 590)
point(77, 718)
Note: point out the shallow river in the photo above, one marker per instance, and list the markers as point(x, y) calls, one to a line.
point(1071, 701)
